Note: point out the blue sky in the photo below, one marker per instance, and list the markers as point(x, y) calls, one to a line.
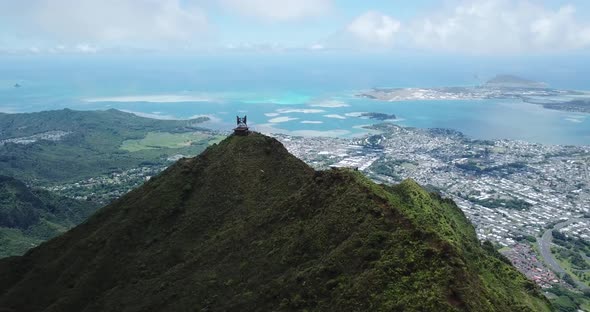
point(480, 27)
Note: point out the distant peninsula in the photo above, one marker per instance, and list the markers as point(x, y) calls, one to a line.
point(501, 87)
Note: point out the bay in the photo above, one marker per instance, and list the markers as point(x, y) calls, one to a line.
point(315, 96)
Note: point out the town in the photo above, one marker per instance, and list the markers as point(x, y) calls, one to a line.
point(512, 191)
point(46, 136)
point(104, 189)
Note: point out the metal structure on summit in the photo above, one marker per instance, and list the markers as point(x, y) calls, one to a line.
point(242, 126)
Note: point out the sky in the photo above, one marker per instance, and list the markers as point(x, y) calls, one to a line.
point(458, 27)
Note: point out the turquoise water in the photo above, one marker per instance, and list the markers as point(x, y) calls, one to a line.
point(297, 95)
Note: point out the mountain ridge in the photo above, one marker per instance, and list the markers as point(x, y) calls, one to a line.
point(247, 226)
point(29, 216)
point(92, 140)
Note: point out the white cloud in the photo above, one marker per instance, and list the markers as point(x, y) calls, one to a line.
point(316, 47)
point(256, 46)
point(271, 114)
point(86, 48)
point(317, 122)
point(374, 28)
point(471, 26)
point(500, 26)
point(120, 21)
point(279, 10)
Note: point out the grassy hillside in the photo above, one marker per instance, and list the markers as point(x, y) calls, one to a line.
point(88, 144)
point(246, 226)
point(28, 217)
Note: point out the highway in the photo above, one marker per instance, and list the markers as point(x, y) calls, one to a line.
point(545, 248)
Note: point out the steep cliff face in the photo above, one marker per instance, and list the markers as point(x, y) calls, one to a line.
point(246, 226)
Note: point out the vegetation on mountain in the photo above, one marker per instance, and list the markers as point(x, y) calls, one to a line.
point(566, 300)
point(28, 217)
point(246, 226)
point(91, 143)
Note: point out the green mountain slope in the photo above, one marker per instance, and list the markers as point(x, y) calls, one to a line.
point(246, 226)
point(28, 217)
point(66, 145)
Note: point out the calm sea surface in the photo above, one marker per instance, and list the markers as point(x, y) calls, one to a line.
point(300, 95)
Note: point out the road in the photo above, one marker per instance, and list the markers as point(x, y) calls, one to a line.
point(545, 248)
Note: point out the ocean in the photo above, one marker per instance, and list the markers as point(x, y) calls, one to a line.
point(296, 93)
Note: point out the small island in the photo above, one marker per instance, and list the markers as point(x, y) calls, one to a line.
point(17, 85)
point(379, 116)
